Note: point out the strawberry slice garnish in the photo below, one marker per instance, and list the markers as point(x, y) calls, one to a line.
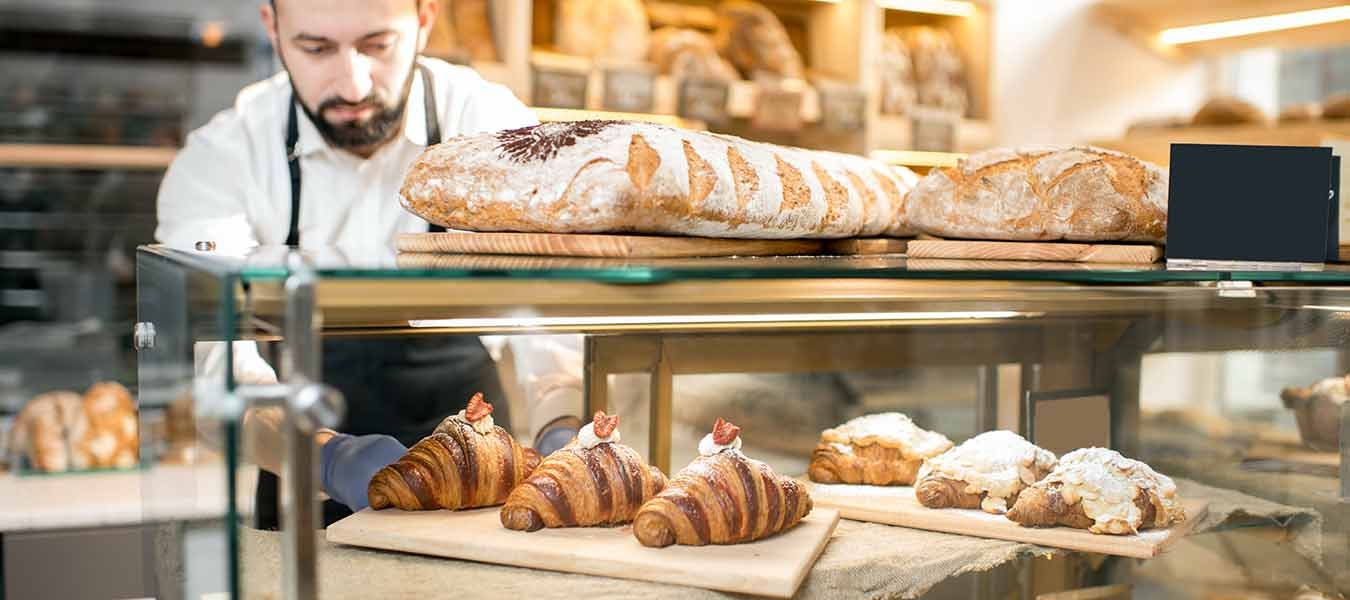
point(604, 424)
point(724, 432)
point(477, 408)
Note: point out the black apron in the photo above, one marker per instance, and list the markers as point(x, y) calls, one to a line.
point(402, 387)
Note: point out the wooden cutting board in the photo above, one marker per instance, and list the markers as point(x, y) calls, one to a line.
point(775, 566)
point(1036, 251)
point(898, 506)
point(601, 246)
point(866, 246)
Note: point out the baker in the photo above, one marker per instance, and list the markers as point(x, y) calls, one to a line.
point(314, 157)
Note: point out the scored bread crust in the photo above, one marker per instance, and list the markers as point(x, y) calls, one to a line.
point(621, 177)
point(1044, 193)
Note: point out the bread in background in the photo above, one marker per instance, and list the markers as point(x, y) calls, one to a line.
point(898, 92)
point(752, 38)
point(1336, 106)
point(688, 54)
point(939, 71)
point(1297, 113)
point(1226, 110)
point(608, 30)
point(64, 431)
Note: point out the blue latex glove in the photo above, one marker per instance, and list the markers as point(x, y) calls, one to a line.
point(550, 441)
point(347, 462)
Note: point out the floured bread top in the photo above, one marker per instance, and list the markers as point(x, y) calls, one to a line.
point(997, 463)
point(1106, 483)
point(891, 430)
point(1335, 389)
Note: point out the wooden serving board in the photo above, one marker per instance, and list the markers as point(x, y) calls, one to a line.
point(1036, 251)
point(599, 246)
point(775, 566)
point(898, 506)
point(866, 246)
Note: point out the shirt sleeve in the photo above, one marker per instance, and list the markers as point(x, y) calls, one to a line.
point(495, 108)
point(202, 195)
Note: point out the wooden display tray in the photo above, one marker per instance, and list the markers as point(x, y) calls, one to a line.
point(898, 506)
point(634, 246)
point(1035, 251)
point(775, 566)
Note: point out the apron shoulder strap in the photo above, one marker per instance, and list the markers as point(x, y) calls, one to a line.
point(433, 120)
point(293, 163)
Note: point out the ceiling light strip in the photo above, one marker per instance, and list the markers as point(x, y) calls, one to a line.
point(1240, 27)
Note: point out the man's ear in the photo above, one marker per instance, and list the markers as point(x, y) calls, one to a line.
point(426, 19)
point(269, 22)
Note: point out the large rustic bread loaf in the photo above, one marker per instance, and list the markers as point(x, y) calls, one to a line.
point(611, 177)
point(1044, 193)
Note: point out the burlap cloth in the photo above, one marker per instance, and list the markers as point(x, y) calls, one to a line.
point(863, 560)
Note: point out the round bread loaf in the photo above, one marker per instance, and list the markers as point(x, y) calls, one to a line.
point(1228, 111)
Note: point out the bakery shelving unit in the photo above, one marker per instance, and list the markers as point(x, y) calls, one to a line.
point(838, 42)
point(1008, 331)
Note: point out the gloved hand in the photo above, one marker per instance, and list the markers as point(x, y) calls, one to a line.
point(553, 439)
point(347, 462)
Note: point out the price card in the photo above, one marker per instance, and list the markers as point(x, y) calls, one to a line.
point(933, 130)
point(560, 88)
point(704, 100)
point(630, 89)
point(843, 110)
point(779, 109)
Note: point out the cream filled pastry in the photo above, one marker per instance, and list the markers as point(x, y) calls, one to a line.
point(987, 472)
point(1101, 491)
point(878, 449)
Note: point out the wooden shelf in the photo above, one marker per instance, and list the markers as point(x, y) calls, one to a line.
point(86, 156)
point(916, 159)
point(1143, 20)
point(1156, 146)
point(564, 114)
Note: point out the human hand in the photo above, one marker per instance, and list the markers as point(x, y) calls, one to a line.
point(348, 462)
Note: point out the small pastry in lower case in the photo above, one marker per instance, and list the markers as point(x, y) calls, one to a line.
point(594, 480)
point(467, 462)
point(42, 430)
point(879, 449)
point(722, 497)
point(986, 472)
point(1101, 491)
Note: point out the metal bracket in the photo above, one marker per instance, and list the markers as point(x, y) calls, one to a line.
point(143, 336)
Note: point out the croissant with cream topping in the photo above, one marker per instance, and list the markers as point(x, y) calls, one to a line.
point(467, 462)
point(878, 449)
point(593, 480)
point(1101, 491)
point(986, 472)
point(722, 497)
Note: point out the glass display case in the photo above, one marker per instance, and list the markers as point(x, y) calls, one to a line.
point(1207, 375)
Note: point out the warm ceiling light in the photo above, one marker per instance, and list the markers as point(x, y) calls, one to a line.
point(1254, 25)
point(955, 8)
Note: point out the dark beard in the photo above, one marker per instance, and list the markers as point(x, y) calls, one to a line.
point(383, 125)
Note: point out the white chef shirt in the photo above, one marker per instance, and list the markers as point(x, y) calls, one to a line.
point(230, 183)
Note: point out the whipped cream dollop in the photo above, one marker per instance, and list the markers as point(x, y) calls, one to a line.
point(708, 447)
point(891, 430)
point(483, 426)
point(586, 437)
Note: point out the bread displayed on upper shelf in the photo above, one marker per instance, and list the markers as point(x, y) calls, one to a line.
point(464, 26)
point(64, 431)
point(1336, 106)
point(622, 177)
point(1317, 410)
point(877, 449)
point(1101, 491)
point(608, 30)
point(467, 462)
point(986, 472)
point(1294, 113)
point(1043, 193)
point(755, 41)
point(594, 480)
point(896, 72)
point(722, 497)
point(939, 71)
point(1226, 110)
point(689, 54)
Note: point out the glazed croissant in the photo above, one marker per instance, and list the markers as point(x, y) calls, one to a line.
point(723, 497)
point(1101, 491)
point(467, 462)
point(594, 480)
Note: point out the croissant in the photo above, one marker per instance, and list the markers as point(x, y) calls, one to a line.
point(594, 480)
point(467, 462)
point(879, 449)
point(986, 472)
point(1101, 491)
point(722, 497)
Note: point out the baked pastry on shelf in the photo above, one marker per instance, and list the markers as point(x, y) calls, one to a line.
point(722, 497)
point(986, 472)
point(1101, 491)
point(594, 480)
point(64, 431)
point(467, 462)
point(1317, 410)
point(878, 449)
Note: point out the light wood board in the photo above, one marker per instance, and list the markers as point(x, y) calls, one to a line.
point(775, 566)
point(866, 246)
point(898, 506)
point(1036, 251)
point(602, 246)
